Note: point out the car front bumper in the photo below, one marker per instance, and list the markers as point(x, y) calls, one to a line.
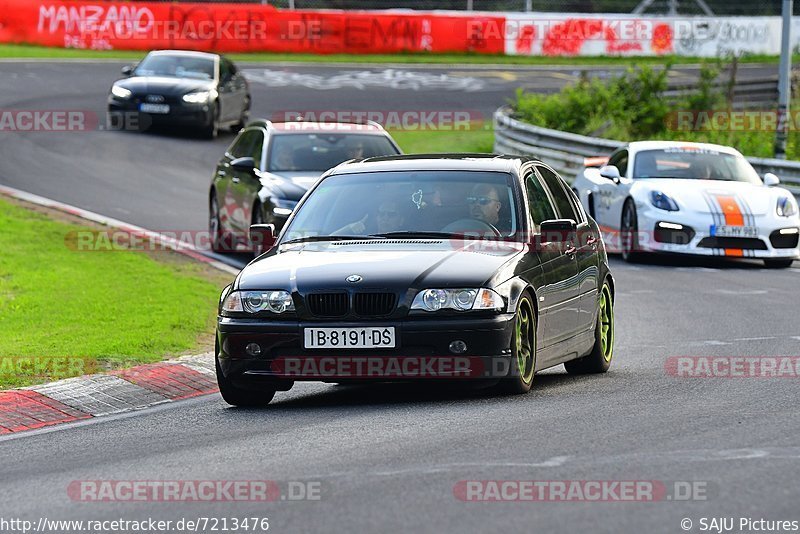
point(652, 238)
point(422, 351)
point(125, 114)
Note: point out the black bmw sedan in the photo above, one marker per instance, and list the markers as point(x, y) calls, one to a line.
point(180, 88)
point(270, 165)
point(450, 267)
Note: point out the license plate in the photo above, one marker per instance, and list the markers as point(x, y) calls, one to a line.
point(380, 337)
point(734, 231)
point(154, 108)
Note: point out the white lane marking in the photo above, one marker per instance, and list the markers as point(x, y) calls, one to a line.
point(739, 292)
point(364, 79)
point(753, 338)
point(555, 461)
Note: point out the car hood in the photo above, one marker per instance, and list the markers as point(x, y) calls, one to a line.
point(292, 185)
point(164, 85)
point(702, 196)
point(396, 265)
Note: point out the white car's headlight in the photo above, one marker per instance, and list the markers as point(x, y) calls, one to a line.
point(786, 207)
point(457, 299)
point(662, 201)
point(200, 97)
point(258, 301)
point(120, 92)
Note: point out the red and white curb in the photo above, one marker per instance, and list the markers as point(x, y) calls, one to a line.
point(84, 397)
point(180, 247)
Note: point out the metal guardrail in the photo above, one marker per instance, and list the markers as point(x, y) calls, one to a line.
point(565, 151)
point(760, 93)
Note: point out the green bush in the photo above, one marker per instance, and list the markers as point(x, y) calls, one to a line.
point(632, 106)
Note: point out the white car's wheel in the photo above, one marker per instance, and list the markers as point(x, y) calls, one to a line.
point(629, 228)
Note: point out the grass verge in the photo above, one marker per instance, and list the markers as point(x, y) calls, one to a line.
point(479, 138)
point(65, 313)
point(9, 51)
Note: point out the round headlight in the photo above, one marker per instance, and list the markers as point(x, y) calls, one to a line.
point(279, 301)
point(434, 299)
point(464, 298)
point(254, 302)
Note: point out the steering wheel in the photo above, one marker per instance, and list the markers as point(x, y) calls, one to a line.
point(466, 225)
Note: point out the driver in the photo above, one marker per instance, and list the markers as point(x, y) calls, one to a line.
point(283, 159)
point(484, 204)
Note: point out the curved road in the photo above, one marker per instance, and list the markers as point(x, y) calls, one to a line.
point(388, 457)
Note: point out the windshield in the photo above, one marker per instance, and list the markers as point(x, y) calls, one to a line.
point(391, 203)
point(693, 163)
point(319, 152)
point(176, 66)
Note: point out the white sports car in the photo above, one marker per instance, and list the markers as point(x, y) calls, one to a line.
point(689, 198)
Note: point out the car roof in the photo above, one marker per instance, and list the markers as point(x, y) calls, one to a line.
point(300, 127)
point(186, 53)
point(638, 146)
point(430, 162)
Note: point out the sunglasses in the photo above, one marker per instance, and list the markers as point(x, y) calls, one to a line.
point(482, 201)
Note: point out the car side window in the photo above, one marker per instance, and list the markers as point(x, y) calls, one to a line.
point(257, 147)
point(620, 161)
point(560, 198)
point(243, 146)
point(230, 65)
point(225, 72)
point(538, 202)
point(576, 205)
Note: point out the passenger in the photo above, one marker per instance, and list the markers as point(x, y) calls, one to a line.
point(389, 218)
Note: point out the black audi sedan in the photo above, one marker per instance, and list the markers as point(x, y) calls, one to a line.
point(180, 88)
point(270, 165)
point(453, 267)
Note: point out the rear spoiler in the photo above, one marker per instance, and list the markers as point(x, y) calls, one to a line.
point(595, 161)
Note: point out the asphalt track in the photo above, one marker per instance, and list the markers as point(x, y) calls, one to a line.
point(387, 458)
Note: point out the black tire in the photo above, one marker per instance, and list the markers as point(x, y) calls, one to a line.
point(215, 233)
point(778, 264)
point(241, 397)
point(629, 227)
point(523, 350)
point(211, 129)
point(244, 117)
point(599, 360)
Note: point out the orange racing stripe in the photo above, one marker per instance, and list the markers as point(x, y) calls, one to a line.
point(733, 217)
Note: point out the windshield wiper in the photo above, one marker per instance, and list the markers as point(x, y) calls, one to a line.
point(412, 234)
point(312, 238)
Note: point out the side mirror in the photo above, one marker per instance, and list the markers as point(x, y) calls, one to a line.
point(127, 70)
point(771, 179)
point(558, 230)
point(262, 237)
point(245, 164)
point(611, 172)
